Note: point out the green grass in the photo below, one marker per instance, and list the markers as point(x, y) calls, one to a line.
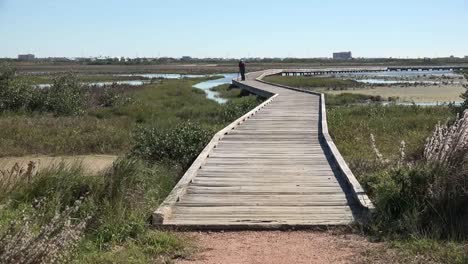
point(151, 247)
point(431, 251)
point(109, 130)
point(120, 200)
point(414, 212)
point(313, 82)
point(418, 251)
point(119, 203)
point(45, 79)
point(86, 78)
point(49, 135)
point(350, 99)
point(226, 92)
point(351, 126)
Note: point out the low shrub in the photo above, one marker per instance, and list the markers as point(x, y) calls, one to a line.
point(427, 197)
point(15, 94)
point(180, 144)
point(234, 109)
point(418, 201)
point(27, 241)
point(62, 209)
point(66, 96)
point(113, 95)
point(227, 91)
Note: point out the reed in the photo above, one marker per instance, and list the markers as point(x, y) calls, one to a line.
point(448, 144)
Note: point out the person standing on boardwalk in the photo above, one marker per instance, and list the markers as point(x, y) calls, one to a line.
point(242, 69)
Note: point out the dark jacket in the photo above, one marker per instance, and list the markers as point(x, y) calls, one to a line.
point(242, 66)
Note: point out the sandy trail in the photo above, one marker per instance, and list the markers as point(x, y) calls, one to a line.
point(92, 164)
point(277, 247)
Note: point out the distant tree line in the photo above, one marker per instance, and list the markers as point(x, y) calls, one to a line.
point(186, 59)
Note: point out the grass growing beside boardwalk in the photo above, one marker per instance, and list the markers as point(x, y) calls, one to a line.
point(64, 214)
point(352, 126)
point(44, 134)
point(108, 130)
point(419, 205)
point(226, 91)
point(107, 224)
point(313, 82)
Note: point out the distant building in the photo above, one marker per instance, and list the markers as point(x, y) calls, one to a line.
point(26, 57)
point(342, 55)
point(186, 58)
point(466, 57)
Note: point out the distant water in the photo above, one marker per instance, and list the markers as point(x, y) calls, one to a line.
point(100, 84)
point(165, 75)
point(398, 77)
point(205, 86)
point(401, 73)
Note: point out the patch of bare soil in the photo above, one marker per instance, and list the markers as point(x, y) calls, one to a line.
point(279, 247)
point(92, 164)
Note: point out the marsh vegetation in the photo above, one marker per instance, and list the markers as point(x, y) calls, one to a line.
point(64, 213)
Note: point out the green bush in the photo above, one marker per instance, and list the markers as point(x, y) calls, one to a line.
point(109, 95)
point(236, 108)
point(420, 200)
point(15, 94)
point(227, 91)
point(180, 144)
point(66, 96)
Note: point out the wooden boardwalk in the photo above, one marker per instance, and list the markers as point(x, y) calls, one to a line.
point(271, 168)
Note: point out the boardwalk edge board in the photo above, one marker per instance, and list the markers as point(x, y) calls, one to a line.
point(165, 209)
point(358, 191)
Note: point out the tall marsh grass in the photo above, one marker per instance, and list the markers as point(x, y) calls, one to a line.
point(26, 241)
point(427, 197)
point(63, 212)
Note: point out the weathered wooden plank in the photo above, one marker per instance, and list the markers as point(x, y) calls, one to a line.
point(164, 210)
point(268, 170)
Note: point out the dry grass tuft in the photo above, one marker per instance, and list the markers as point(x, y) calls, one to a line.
point(10, 179)
point(25, 242)
point(448, 144)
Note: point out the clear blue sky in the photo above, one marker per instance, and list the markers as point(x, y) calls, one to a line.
point(242, 28)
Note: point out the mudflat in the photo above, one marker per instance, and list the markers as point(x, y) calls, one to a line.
point(418, 94)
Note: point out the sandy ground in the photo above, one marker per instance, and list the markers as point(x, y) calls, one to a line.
point(443, 93)
point(92, 164)
point(277, 247)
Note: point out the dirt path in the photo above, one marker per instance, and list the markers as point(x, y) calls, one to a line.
point(278, 247)
point(92, 164)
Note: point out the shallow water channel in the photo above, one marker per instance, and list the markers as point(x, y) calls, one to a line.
point(205, 86)
point(213, 95)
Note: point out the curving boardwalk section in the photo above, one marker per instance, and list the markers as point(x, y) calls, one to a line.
point(272, 168)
